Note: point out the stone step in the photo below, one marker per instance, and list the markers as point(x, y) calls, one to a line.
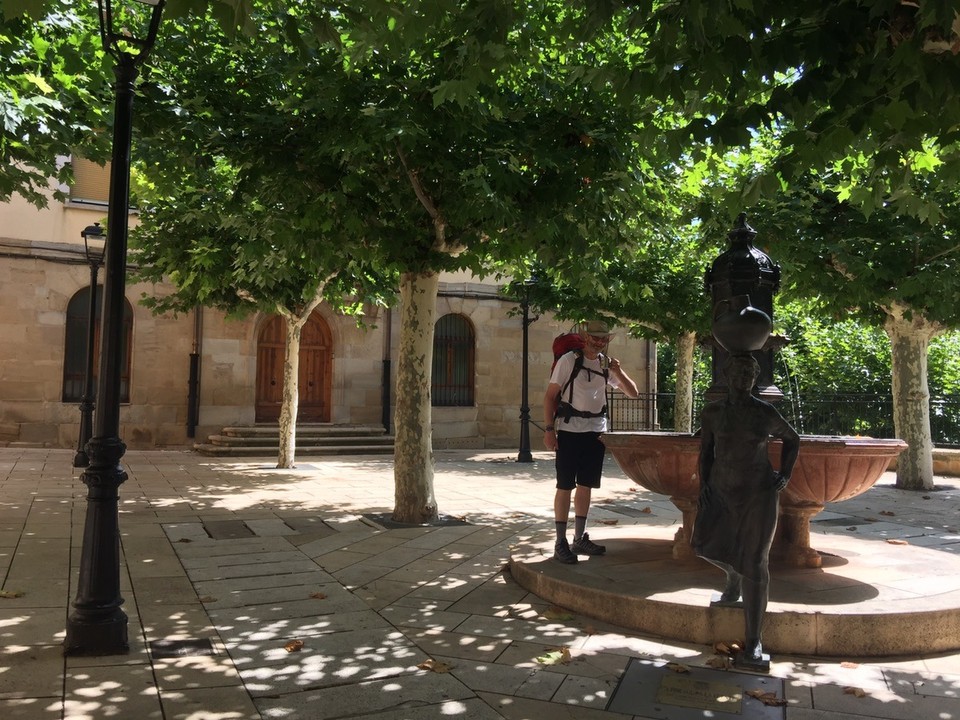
point(304, 439)
point(304, 430)
point(301, 451)
point(313, 439)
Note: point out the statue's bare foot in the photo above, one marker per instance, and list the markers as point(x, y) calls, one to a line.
point(731, 593)
point(752, 658)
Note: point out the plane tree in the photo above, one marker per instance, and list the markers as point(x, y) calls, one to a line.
point(225, 244)
point(465, 141)
point(891, 269)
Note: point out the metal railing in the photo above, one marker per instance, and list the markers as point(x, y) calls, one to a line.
point(833, 414)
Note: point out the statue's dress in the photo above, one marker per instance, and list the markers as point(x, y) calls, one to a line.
point(736, 520)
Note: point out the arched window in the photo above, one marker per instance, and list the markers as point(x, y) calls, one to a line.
point(453, 362)
point(75, 346)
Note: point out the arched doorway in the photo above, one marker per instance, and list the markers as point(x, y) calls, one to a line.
point(316, 360)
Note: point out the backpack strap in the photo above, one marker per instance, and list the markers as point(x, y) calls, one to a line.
point(577, 367)
point(565, 409)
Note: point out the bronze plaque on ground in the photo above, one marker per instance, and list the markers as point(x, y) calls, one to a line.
point(683, 691)
point(653, 689)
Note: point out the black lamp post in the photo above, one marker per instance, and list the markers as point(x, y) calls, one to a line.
point(94, 256)
point(97, 625)
point(525, 455)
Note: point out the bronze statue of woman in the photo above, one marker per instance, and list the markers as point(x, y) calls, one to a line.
point(739, 493)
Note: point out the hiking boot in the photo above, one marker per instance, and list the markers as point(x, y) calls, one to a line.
point(585, 546)
point(563, 554)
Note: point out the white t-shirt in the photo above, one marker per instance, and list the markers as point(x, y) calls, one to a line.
point(589, 392)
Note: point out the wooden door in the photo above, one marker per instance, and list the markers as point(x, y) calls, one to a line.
point(316, 361)
point(316, 354)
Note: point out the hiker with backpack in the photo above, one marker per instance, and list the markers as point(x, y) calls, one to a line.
point(575, 411)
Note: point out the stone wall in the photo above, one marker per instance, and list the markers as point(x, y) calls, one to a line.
point(42, 266)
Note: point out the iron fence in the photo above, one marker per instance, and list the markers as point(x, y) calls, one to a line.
point(833, 414)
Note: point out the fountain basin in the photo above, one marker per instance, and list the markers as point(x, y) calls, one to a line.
point(828, 469)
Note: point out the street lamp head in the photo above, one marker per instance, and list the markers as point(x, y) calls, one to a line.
point(95, 252)
point(128, 28)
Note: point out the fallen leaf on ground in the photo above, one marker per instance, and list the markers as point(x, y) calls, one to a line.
point(184, 540)
point(10, 594)
point(293, 646)
point(722, 648)
point(852, 527)
point(767, 698)
point(721, 662)
point(855, 691)
point(555, 656)
point(926, 497)
point(434, 666)
point(608, 522)
point(871, 519)
point(895, 541)
point(208, 598)
point(848, 664)
point(887, 513)
point(558, 613)
point(633, 489)
point(318, 595)
point(678, 668)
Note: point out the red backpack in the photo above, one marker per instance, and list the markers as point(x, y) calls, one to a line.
point(562, 344)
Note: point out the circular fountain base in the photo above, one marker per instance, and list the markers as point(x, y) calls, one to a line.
point(869, 598)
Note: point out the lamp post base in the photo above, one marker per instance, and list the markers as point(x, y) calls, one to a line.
point(97, 625)
point(104, 636)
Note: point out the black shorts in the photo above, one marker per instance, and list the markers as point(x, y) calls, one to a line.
point(579, 459)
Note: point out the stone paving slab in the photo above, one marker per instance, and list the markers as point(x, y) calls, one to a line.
point(396, 597)
point(413, 693)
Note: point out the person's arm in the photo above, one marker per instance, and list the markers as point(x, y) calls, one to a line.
point(790, 449)
point(624, 381)
point(550, 401)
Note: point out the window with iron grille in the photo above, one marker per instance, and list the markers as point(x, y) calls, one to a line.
point(453, 362)
point(75, 346)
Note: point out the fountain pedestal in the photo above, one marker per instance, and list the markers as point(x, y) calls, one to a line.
point(829, 469)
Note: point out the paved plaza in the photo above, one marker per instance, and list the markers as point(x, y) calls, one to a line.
point(254, 592)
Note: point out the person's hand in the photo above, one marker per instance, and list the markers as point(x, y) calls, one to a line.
point(613, 364)
point(550, 439)
point(780, 480)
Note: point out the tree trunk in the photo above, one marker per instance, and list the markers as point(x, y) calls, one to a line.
point(289, 406)
point(291, 393)
point(413, 434)
point(683, 408)
point(909, 340)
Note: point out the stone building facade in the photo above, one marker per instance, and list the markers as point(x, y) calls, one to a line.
point(43, 269)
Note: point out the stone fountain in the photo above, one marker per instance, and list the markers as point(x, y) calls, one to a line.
point(829, 469)
point(742, 280)
point(836, 601)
